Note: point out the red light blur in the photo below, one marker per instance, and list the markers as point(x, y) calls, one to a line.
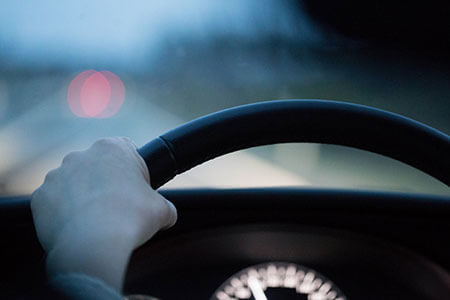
point(93, 94)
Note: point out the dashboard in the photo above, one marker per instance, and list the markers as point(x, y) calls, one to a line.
point(276, 243)
point(298, 243)
point(366, 245)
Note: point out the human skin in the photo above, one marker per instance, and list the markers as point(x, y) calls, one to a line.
point(96, 208)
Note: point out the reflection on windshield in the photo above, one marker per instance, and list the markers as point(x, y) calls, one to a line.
point(72, 72)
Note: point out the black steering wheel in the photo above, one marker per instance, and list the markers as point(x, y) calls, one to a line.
point(284, 121)
point(272, 122)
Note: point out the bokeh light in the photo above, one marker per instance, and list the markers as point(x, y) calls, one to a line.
point(94, 94)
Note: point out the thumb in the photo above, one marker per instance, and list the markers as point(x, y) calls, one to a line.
point(172, 215)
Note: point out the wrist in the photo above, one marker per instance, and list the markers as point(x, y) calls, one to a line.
point(102, 255)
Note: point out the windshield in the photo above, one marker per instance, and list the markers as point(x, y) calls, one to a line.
point(74, 71)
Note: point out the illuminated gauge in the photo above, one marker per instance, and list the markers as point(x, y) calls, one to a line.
point(139, 297)
point(278, 281)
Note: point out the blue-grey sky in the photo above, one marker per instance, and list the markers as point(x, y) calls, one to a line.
point(125, 33)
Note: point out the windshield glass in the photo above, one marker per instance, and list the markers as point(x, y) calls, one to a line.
point(74, 71)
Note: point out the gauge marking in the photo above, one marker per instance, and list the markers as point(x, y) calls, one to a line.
point(278, 280)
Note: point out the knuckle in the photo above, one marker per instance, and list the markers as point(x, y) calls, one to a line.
point(126, 140)
point(106, 142)
point(35, 196)
point(38, 197)
point(51, 176)
point(110, 145)
point(70, 157)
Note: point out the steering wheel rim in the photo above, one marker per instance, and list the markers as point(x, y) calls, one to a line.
point(308, 121)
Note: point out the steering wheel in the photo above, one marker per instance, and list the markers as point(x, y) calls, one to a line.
point(310, 121)
point(315, 121)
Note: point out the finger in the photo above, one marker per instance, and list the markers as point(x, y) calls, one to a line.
point(128, 141)
point(172, 215)
point(71, 157)
point(142, 165)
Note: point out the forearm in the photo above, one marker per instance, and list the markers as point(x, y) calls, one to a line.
point(100, 256)
point(78, 287)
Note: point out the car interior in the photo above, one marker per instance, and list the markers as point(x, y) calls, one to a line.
point(305, 146)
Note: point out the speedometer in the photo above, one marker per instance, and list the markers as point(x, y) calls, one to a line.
point(278, 281)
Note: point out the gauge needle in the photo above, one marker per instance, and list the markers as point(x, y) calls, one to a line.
point(255, 287)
